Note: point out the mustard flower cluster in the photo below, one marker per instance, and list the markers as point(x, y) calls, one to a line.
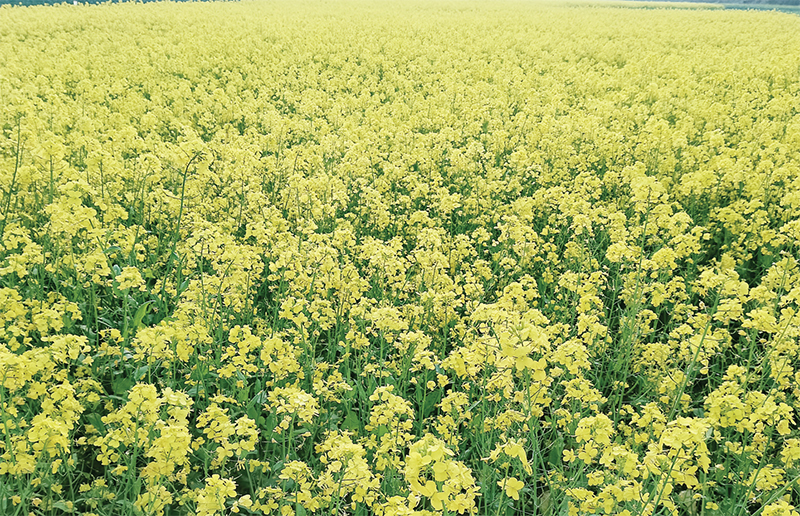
point(420, 258)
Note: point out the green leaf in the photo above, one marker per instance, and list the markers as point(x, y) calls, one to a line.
point(556, 452)
point(352, 422)
point(121, 385)
point(260, 398)
point(140, 313)
point(270, 423)
point(141, 372)
point(300, 431)
point(182, 288)
point(253, 413)
point(431, 401)
point(96, 421)
point(381, 431)
point(137, 318)
point(62, 506)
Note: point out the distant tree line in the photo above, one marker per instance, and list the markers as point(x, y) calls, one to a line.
point(747, 2)
point(53, 2)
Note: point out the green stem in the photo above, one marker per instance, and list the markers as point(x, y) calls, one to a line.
point(17, 162)
point(176, 233)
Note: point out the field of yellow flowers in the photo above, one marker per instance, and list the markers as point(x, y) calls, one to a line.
point(395, 259)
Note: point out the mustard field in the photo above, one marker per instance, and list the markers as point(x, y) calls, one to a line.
point(399, 259)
